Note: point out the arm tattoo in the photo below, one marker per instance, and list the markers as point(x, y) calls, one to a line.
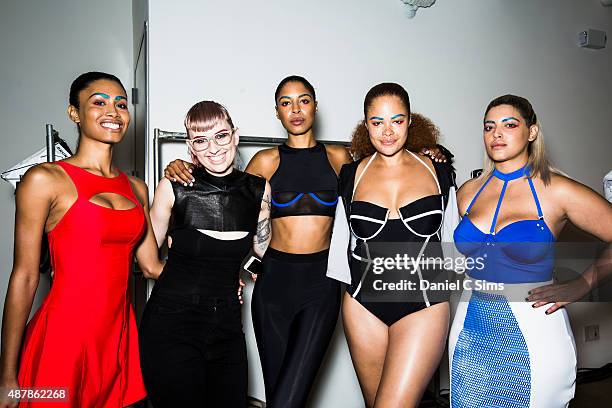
point(263, 231)
point(266, 204)
point(264, 227)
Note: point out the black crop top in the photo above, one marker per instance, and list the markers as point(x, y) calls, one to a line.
point(199, 264)
point(228, 203)
point(304, 183)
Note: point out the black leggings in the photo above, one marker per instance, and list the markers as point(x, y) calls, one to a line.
point(295, 308)
point(193, 352)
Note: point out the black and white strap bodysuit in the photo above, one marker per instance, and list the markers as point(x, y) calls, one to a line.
point(413, 236)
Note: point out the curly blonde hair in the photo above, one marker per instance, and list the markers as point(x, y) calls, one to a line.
point(422, 133)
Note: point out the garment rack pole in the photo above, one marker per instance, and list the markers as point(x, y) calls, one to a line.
point(50, 143)
point(161, 136)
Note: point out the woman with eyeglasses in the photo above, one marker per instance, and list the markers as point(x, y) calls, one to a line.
point(295, 306)
point(192, 344)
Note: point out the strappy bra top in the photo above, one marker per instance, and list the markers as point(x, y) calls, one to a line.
point(422, 218)
point(304, 183)
point(521, 252)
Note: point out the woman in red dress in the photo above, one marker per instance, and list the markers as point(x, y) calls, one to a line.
point(80, 348)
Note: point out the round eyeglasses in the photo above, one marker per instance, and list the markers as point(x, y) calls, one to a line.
point(202, 143)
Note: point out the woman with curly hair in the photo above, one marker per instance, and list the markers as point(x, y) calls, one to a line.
point(295, 306)
point(393, 200)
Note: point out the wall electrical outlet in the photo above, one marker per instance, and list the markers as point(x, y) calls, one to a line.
point(591, 333)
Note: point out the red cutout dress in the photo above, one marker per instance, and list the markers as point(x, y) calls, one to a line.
point(84, 337)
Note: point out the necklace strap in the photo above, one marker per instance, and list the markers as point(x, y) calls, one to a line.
point(516, 174)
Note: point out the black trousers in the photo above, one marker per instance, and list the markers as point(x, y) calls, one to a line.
point(193, 352)
point(295, 309)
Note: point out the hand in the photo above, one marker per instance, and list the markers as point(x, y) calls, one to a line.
point(559, 294)
point(241, 285)
point(253, 276)
point(5, 387)
point(435, 154)
point(179, 170)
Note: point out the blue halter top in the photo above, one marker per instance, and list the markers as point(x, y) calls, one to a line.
point(521, 252)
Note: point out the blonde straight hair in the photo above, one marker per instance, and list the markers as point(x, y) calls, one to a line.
point(538, 162)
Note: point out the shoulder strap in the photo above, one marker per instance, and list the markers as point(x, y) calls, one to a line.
point(428, 169)
point(88, 184)
point(499, 201)
point(74, 174)
point(477, 194)
point(362, 173)
point(535, 197)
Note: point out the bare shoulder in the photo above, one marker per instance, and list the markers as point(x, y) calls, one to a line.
point(338, 155)
point(361, 164)
point(467, 191)
point(164, 192)
point(583, 206)
point(425, 159)
point(44, 178)
point(164, 184)
point(264, 163)
point(44, 173)
point(264, 155)
point(337, 150)
point(565, 189)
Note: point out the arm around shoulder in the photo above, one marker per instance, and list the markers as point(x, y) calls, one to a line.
point(161, 209)
point(338, 156)
point(264, 163)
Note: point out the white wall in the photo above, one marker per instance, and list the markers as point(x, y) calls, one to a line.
point(44, 45)
point(453, 58)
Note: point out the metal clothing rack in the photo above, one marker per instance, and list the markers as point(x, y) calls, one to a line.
point(51, 135)
point(162, 136)
point(55, 147)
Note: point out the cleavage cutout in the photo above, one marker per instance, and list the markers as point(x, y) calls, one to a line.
point(224, 235)
point(112, 201)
